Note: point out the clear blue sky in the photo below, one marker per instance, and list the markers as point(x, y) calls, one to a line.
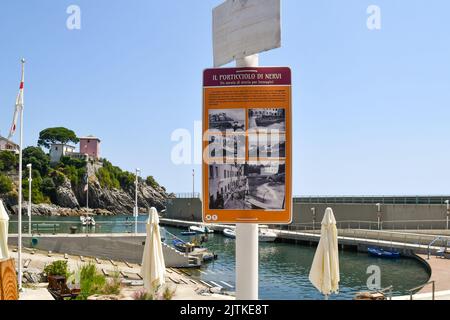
point(371, 108)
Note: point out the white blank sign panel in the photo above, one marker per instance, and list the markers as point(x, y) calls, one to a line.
point(245, 27)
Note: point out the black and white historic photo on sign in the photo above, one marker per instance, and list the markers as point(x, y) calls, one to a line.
point(262, 146)
point(227, 147)
point(228, 187)
point(257, 185)
point(227, 120)
point(267, 119)
point(267, 185)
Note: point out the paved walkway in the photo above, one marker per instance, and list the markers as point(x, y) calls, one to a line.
point(440, 273)
point(186, 287)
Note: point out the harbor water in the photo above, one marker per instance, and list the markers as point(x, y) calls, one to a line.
point(284, 268)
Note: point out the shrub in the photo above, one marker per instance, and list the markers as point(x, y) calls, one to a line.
point(6, 185)
point(161, 293)
point(58, 177)
point(48, 186)
point(37, 157)
point(113, 285)
point(58, 268)
point(168, 293)
point(143, 295)
point(91, 281)
point(8, 160)
point(152, 182)
point(37, 196)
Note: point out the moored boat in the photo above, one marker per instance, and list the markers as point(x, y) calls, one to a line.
point(265, 235)
point(200, 229)
point(87, 221)
point(229, 233)
point(381, 253)
point(188, 233)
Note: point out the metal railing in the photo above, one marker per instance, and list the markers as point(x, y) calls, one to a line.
point(433, 292)
point(389, 289)
point(374, 225)
point(439, 199)
point(188, 195)
point(445, 246)
point(64, 227)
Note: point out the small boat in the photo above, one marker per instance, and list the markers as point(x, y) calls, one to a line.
point(182, 246)
point(200, 229)
point(381, 253)
point(188, 233)
point(265, 235)
point(229, 233)
point(87, 221)
point(208, 257)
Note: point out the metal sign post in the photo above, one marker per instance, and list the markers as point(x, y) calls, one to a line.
point(234, 191)
point(247, 237)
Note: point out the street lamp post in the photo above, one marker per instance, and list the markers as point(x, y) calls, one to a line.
point(136, 208)
point(447, 202)
point(313, 210)
point(30, 180)
point(379, 215)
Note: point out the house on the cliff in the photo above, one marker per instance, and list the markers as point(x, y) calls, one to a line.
point(8, 145)
point(89, 150)
point(59, 150)
point(90, 145)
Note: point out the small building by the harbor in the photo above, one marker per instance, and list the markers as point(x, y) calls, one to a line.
point(59, 150)
point(90, 145)
point(8, 145)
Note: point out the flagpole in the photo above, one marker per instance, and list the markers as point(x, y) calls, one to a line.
point(136, 208)
point(20, 188)
point(87, 193)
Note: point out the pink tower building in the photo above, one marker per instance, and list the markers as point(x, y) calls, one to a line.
point(90, 145)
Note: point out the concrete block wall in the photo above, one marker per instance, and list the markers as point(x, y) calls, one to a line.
point(115, 247)
point(191, 210)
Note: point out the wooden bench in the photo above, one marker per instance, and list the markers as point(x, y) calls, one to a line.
point(57, 286)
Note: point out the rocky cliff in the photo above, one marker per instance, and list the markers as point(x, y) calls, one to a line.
point(70, 200)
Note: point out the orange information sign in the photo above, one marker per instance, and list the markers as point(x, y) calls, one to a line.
point(247, 145)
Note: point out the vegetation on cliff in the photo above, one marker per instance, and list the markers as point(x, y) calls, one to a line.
point(52, 181)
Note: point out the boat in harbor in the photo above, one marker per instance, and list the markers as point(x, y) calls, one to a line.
point(194, 250)
point(381, 253)
point(265, 235)
point(229, 233)
point(87, 221)
point(201, 229)
point(188, 233)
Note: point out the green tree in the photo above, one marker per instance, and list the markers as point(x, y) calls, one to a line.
point(6, 185)
point(152, 182)
point(56, 135)
point(8, 160)
point(48, 187)
point(37, 196)
point(37, 157)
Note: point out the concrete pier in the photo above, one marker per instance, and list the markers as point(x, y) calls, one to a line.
point(121, 247)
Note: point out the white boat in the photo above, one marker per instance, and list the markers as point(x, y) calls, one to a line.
point(265, 235)
point(229, 233)
point(200, 229)
point(87, 221)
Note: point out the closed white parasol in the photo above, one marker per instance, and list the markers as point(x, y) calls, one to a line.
point(324, 274)
point(153, 266)
point(4, 222)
